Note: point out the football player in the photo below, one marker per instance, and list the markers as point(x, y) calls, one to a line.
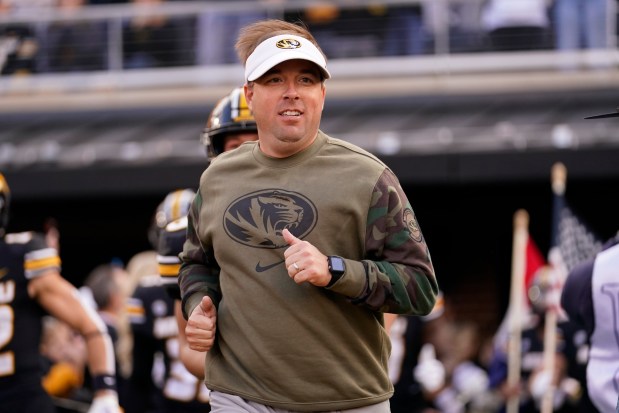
point(31, 286)
point(152, 309)
point(159, 381)
point(230, 124)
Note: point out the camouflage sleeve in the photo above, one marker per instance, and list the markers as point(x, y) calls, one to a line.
point(199, 272)
point(399, 275)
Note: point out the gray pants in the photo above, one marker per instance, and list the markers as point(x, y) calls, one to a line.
point(228, 403)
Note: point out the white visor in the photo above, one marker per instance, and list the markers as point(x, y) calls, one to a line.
point(277, 49)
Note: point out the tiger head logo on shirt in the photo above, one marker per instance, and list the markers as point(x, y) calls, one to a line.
point(258, 219)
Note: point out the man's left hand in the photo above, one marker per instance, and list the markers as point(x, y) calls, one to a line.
point(304, 262)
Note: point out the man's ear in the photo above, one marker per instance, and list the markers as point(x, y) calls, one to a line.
point(249, 94)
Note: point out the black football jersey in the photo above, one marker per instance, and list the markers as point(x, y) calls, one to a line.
point(156, 364)
point(23, 257)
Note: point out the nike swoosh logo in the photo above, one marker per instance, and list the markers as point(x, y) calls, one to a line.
point(260, 268)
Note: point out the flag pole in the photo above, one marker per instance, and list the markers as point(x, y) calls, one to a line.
point(516, 306)
point(550, 345)
point(558, 182)
point(558, 178)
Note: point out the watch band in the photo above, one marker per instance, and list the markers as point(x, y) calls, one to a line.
point(337, 268)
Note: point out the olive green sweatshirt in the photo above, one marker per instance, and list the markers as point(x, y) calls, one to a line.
point(302, 347)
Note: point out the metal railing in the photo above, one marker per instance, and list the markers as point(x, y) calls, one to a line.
point(352, 33)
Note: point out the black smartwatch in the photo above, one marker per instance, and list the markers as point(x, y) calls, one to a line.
point(337, 267)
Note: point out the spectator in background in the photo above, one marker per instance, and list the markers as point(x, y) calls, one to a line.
point(405, 31)
point(513, 25)
point(18, 49)
point(407, 338)
point(74, 45)
point(18, 42)
point(465, 385)
point(150, 40)
point(434, 364)
point(65, 351)
point(105, 282)
point(345, 32)
point(216, 33)
point(95, 2)
point(580, 24)
point(324, 20)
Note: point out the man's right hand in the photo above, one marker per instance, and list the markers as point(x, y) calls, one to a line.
point(105, 403)
point(201, 325)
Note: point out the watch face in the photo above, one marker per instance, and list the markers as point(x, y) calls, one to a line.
point(337, 264)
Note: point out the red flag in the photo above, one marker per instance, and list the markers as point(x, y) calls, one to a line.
point(526, 261)
point(535, 260)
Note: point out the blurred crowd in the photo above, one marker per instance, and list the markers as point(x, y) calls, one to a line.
point(152, 40)
point(439, 363)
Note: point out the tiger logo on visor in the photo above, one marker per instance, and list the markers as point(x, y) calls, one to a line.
point(288, 44)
